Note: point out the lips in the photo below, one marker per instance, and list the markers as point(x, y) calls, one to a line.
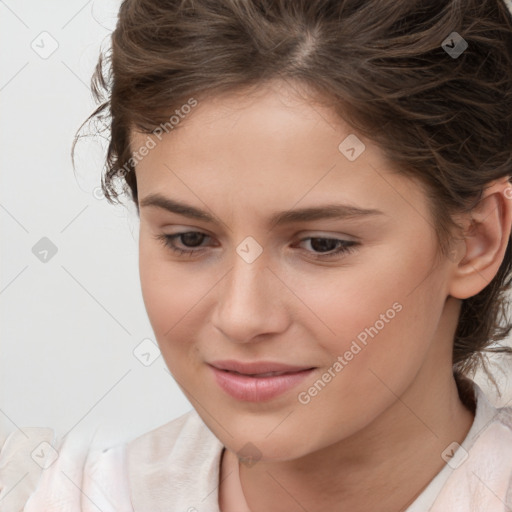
point(258, 368)
point(257, 381)
point(259, 375)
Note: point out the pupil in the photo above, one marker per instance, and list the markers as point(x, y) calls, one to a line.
point(190, 238)
point(323, 244)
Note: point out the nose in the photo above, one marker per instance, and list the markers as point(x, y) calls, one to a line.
point(250, 302)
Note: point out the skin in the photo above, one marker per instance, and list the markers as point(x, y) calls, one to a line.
point(372, 438)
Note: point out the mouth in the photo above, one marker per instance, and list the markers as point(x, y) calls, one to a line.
point(267, 374)
point(258, 368)
point(258, 386)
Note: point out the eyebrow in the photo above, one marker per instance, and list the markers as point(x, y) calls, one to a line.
point(327, 211)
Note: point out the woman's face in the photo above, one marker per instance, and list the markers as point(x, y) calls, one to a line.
point(355, 296)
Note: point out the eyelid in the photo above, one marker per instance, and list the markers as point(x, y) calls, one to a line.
point(312, 233)
point(301, 236)
point(343, 249)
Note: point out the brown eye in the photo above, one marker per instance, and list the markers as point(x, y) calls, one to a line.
point(189, 239)
point(322, 247)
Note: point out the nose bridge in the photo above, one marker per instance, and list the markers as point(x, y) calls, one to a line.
point(248, 271)
point(247, 282)
point(244, 308)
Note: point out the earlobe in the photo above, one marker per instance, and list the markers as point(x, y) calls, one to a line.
point(486, 237)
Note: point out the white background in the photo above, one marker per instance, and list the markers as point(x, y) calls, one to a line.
point(69, 325)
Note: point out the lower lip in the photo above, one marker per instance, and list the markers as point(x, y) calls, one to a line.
point(257, 389)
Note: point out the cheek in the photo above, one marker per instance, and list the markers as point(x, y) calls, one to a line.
point(382, 336)
point(175, 296)
point(378, 317)
point(169, 293)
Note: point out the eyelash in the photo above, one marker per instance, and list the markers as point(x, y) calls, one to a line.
point(347, 246)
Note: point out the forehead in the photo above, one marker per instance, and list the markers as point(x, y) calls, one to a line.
point(277, 114)
point(275, 146)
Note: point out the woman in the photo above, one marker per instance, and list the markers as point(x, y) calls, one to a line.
point(324, 202)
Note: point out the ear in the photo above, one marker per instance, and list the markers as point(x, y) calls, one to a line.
point(485, 239)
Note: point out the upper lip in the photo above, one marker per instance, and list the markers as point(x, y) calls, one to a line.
point(257, 367)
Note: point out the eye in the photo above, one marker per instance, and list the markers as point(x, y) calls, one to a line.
point(189, 237)
point(323, 248)
point(325, 245)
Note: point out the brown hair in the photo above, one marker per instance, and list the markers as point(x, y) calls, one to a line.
point(445, 121)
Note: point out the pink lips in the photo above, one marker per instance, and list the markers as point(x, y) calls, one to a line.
point(257, 381)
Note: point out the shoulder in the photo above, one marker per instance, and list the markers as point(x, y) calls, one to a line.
point(73, 476)
point(175, 439)
point(182, 458)
point(39, 471)
point(503, 416)
point(482, 471)
point(23, 456)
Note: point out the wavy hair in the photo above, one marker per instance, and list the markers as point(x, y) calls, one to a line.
point(442, 120)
